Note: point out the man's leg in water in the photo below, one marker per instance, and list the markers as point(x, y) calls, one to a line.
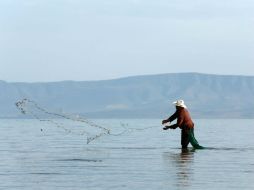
point(184, 138)
point(193, 140)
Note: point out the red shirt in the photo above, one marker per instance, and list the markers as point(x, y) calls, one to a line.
point(183, 119)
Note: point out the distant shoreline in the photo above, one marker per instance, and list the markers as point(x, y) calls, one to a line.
point(147, 96)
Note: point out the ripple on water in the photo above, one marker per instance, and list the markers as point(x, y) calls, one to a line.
point(79, 160)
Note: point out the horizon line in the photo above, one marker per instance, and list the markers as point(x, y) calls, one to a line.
point(131, 76)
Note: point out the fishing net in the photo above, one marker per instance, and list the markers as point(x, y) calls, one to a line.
point(74, 124)
point(193, 140)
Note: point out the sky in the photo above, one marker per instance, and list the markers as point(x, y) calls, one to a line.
point(45, 40)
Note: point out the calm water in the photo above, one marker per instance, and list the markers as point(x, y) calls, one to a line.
point(51, 159)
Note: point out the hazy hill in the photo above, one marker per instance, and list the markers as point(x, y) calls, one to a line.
point(140, 96)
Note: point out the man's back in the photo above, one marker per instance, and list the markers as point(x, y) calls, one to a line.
point(184, 119)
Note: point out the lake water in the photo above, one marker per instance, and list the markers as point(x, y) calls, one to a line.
point(35, 155)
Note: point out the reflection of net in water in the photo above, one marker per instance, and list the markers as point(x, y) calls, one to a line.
point(71, 124)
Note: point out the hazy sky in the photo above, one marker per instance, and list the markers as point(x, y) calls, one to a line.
point(52, 40)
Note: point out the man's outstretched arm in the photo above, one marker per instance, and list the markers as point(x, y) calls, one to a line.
point(171, 118)
point(178, 124)
point(170, 127)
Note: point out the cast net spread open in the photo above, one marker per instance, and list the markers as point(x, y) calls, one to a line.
point(74, 124)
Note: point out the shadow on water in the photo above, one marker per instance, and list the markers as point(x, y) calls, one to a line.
point(179, 165)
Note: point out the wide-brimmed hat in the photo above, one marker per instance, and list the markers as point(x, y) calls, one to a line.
point(180, 103)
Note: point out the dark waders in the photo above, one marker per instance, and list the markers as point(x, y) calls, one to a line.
point(187, 136)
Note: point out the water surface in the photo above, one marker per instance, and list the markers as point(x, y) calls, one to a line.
point(39, 156)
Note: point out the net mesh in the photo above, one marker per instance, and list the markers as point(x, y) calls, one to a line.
point(74, 124)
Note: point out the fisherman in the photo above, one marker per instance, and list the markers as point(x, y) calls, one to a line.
point(185, 123)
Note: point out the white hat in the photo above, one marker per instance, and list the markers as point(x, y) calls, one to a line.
point(180, 103)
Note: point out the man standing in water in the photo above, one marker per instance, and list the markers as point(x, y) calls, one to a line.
point(184, 122)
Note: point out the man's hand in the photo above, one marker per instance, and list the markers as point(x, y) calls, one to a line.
point(165, 121)
point(169, 127)
point(165, 128)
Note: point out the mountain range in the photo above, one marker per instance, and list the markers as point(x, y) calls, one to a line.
point(149, 96)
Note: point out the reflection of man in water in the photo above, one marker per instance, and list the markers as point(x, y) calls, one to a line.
point(180, 169)
point(184, 122)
